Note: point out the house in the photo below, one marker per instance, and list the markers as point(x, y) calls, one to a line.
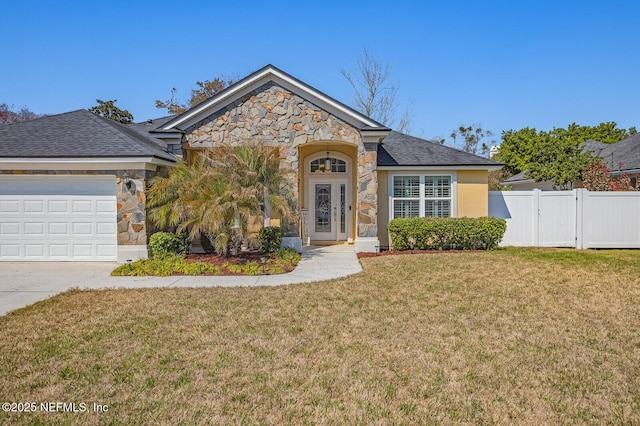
point(72, 187)
point(622, 157)
point(351, 174)
point(521, 182)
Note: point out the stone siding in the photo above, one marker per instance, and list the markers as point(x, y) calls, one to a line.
point(131, 202)
point(367, 193)
point(276, 117)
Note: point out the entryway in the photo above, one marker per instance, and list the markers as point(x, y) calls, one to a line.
point(329, 209)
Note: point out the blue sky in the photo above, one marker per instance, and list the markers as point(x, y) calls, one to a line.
point(505, 64)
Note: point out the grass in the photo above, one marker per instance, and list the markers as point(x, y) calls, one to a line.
point(512, 336)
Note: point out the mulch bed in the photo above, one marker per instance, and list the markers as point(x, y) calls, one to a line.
point(242, 258)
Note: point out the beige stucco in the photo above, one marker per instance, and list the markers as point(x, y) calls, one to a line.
point(383, 208)
point(473, 193)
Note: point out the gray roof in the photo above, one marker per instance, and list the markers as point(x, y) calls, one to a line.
point(398, 149)
point(77, 134)
point(619, 156)
point(519, 177)
point(151, 125)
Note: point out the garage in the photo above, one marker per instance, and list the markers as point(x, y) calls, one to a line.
point(58, 218)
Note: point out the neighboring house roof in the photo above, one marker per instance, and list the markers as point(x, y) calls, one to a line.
point(398, 149)
point(255, 80)
point(521, 181)
point(517, 178)
point(76, 134)
point(620, 157)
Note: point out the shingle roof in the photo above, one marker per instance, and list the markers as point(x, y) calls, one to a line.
point(150, 125)
point(622, 155)
point(76, 134)
point(398, 149)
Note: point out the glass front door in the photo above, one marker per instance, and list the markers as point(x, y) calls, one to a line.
point(330, 210)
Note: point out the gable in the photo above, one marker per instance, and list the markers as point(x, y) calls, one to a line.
point(271, 74)
point(273, 115)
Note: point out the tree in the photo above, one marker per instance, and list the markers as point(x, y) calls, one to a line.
point(218, 193)
point(597, 177)
point(375, 92)
point(205, 90)
point(108, 109)
point(8, 115)
point(555, 155)
point(469, 139)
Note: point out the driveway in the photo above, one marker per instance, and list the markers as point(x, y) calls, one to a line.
point(24, 283)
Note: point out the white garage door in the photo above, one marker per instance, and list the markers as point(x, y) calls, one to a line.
point(57, 218)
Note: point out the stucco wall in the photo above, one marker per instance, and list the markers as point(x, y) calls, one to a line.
point(383, 208)
point(473, 193)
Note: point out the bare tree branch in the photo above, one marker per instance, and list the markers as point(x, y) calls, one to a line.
point(374, 91)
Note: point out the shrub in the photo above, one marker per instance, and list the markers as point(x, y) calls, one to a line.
point(288, 255)
point(165, 243)
point(430, 233)
point(270, 239)
point(165, 266)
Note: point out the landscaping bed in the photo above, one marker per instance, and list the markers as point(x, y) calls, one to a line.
point(245, 263)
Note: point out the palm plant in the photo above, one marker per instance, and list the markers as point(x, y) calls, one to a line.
point(218, 193)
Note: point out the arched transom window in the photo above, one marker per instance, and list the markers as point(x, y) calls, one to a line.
point(320, 165)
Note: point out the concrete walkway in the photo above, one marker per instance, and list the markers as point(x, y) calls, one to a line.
point(24, 283)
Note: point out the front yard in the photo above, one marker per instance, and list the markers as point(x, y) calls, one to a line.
point(510, 336)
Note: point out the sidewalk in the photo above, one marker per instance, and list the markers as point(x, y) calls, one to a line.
point(24, 283)
point(317, 264)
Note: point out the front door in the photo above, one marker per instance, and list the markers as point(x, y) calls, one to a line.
point(329, 210)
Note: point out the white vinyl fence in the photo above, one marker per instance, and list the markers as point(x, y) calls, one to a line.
point(576, 218)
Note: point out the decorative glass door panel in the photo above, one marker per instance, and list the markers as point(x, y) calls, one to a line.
point(343, 208)
point(323, 208)
point(330, 210)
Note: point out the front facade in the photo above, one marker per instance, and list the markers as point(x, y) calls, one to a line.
point(73, 186)
point(349, 172)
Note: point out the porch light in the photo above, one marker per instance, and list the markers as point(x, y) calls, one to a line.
point(327, 163)
point(126, 180)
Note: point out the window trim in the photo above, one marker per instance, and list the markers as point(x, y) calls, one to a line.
point(452, 174)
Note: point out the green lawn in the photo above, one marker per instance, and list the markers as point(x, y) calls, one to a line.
point(512, 336)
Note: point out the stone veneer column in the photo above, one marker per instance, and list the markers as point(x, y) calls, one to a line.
point(367, 237)
point(132, 217)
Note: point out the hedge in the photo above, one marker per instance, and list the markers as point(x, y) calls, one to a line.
point(431, 233)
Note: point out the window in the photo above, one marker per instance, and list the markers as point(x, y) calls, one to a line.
point(337, 166)
point(406, 194)
point(422, 196)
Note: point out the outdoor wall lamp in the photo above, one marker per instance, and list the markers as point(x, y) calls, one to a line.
point(126, 179)
point(327, 162)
